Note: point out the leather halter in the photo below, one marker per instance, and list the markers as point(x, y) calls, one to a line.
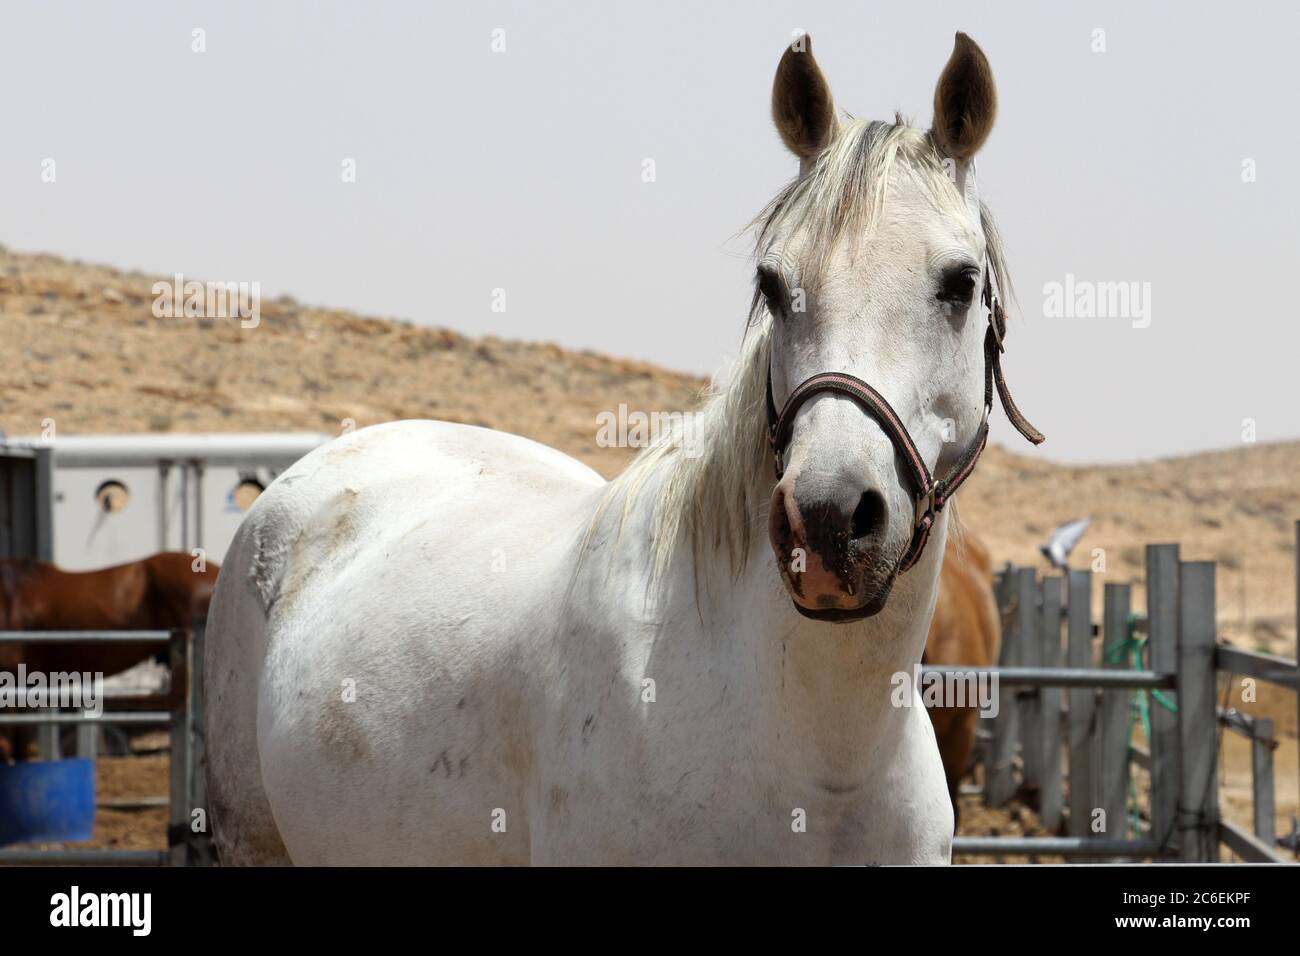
point(931, 493)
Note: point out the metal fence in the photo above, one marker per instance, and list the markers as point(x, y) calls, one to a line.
point(180, 709)
point(1167, 679)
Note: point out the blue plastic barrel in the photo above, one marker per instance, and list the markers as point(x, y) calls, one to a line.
point(47, 801)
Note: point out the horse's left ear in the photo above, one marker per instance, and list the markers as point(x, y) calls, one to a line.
point(965, 101)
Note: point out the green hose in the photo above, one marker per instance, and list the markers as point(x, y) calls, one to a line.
point(1133, 649)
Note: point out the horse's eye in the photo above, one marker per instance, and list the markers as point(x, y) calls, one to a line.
point(771, 285)
point(958, 286)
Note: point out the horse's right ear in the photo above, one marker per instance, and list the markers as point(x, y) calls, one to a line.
point(801, 101)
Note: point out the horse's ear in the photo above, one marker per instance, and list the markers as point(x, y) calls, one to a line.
point(801, 101)
point(965, 101)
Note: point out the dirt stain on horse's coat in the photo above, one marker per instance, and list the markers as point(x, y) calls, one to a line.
point(557, 799)
point(339, 729)
point(450, 767)
point(330, 532)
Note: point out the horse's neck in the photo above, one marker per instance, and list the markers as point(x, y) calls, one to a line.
point(830, 690)
point(825, 703)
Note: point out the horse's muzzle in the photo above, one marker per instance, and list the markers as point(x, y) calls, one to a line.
point(833, 551)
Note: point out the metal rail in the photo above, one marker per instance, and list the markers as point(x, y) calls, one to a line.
point(1054, 846)
point(85, 637)
point(1265, 667)
point(1246, 845)
point(133, 803)
point(1058, 676)
point(83, 857)
point(63, 697)
point(1246, 725)
point(108, 717)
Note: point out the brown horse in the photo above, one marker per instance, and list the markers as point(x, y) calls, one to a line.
point(965, 631)
point(160, 592)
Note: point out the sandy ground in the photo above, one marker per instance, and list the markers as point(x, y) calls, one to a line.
point(85, 352)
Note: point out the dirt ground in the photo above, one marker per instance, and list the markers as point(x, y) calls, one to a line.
point(121, 778)
point(85, 355)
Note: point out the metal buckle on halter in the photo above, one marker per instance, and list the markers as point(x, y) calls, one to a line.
point(926, 500)
point(771, 443)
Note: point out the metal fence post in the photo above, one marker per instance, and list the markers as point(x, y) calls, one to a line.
point(1028, 655)
point(88, 741)
point(1261, 780)
point(201, 843)
point(1162, 640)
point(47, 739)
point(1082, 704)
point(178, 827)
point(1050, 793)
point(1116, 717)
point(1197, 714)
point(999, 782)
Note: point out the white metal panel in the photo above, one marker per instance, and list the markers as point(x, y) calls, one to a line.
point(221, 514)
point(86, 537)
point(201, 472)
point(251, 448)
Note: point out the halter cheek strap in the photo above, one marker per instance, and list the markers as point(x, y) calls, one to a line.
point(931, 493)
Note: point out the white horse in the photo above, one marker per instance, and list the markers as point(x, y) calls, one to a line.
point(432, 643)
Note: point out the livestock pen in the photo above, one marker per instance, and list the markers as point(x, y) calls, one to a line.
point(1163, 669)
point(179, 708)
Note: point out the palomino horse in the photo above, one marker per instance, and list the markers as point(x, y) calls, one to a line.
point(436, 643)
point(161, 592)
point(965, 631)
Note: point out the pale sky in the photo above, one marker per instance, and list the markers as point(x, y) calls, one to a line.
point(522, 170)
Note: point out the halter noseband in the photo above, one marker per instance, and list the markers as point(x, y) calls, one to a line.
point(931, 493)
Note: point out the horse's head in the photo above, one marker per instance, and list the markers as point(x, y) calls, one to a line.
point(871, 263)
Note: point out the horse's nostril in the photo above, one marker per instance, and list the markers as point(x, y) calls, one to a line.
point(869, 516)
